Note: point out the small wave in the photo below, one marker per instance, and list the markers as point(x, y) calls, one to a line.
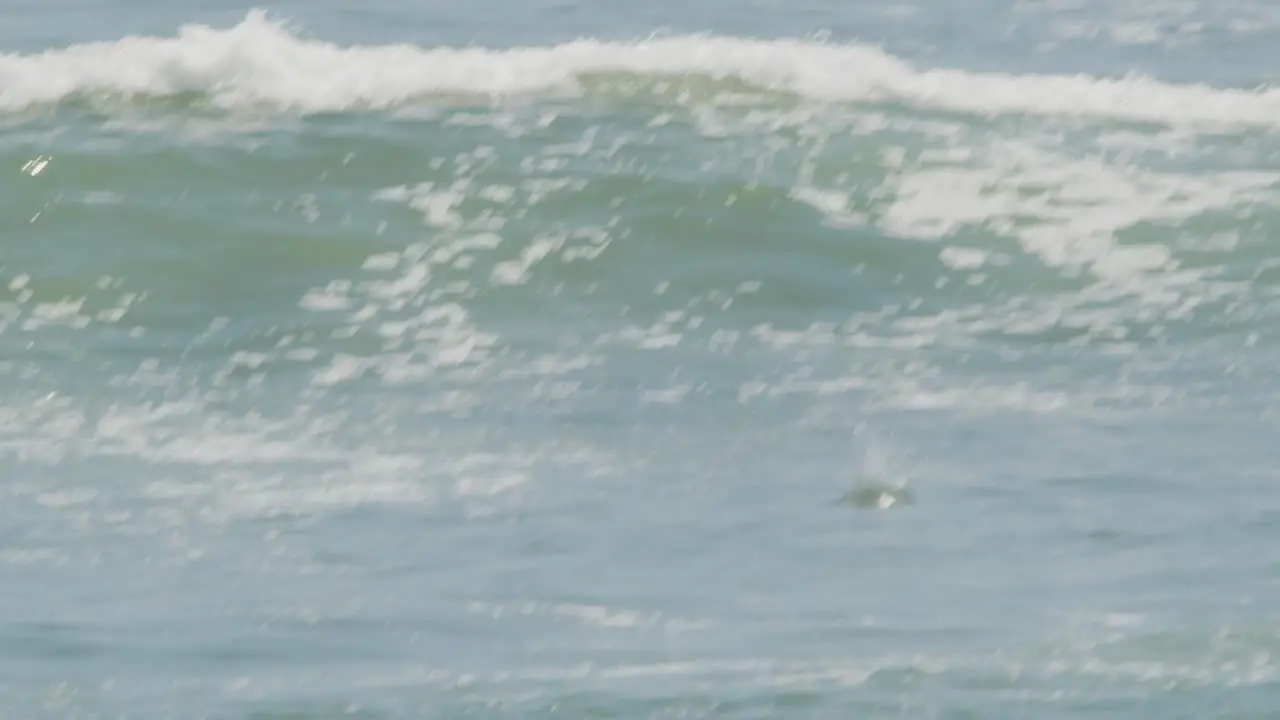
point(261, 63)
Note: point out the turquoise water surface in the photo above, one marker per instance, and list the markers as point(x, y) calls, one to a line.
point(723, 359)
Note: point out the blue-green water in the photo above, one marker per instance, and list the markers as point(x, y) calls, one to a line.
point(658, 360)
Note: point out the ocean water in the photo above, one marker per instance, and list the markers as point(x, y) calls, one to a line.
point(726, 359)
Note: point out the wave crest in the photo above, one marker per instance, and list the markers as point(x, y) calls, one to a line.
point(259, 62)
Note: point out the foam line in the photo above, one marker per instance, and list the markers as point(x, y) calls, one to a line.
point(259, 62)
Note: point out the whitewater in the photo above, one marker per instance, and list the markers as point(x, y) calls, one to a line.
point(259, 62)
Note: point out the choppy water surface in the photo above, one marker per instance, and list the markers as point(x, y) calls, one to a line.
point(722, 359)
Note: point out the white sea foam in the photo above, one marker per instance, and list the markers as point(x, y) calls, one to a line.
point(258, 62)
point(1079, 207)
